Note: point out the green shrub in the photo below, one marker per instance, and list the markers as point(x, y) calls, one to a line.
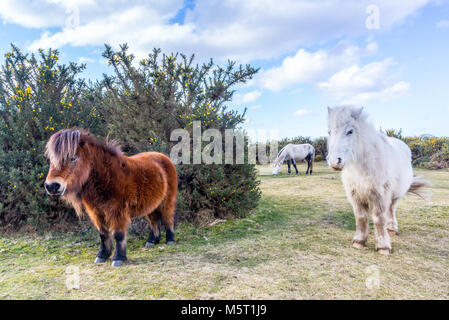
point(427, 152)
point(217, 191)
point(38, 97)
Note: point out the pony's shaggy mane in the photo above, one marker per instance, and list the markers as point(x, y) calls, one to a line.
point(63, 145)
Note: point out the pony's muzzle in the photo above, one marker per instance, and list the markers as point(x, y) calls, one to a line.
point(337, 164)
point(53, 188)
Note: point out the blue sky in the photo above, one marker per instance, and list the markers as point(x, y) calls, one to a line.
point(312, 54)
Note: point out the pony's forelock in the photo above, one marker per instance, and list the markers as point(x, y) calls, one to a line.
point(62, 146)
point(341, 115)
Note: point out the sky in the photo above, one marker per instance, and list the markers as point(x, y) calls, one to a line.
point(391, 57)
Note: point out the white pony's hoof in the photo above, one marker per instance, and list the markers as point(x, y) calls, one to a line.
point(99, 260)
point(358, 245)
point(384, 251)
point(117, 263)
point(392, 233)
point(170, 242)
point(149, 244)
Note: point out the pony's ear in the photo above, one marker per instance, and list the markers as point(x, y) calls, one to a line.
point(329, 110)
point(356, 113)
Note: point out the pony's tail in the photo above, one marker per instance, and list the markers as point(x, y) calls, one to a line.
point(416, 187)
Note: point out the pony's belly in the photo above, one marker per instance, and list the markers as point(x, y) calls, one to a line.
point(144, 209)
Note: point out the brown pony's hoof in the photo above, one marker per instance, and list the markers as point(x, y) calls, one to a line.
point(358, 245)
point(117, 263)
point(100, 260)
point(384, 251)
point(392, 233)
point(149, 244)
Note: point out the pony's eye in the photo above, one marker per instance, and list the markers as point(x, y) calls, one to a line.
point(73, 159)
point(349, 132)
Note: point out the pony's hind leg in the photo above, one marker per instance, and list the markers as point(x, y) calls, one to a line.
point(392, 223)
point(154, 220)
point(105, 246)
point(167, 210)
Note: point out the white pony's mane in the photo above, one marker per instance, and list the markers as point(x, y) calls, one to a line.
point(277, 161)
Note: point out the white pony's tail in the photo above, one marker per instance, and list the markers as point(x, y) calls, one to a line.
point(416, 187)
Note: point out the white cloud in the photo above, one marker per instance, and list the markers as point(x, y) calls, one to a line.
point(243, 30)
point(302, 112)
point(246, 97)
point(372, 81)
point(310, 67)
point(85, 60)
point(355, 79)
point(397, 90)
point(443, 24)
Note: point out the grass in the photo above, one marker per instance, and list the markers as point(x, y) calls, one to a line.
point(295, 245)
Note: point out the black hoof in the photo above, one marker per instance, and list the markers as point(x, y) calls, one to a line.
point(170, 242)
point(149, 244)
point(100, 260)
point(117, 263)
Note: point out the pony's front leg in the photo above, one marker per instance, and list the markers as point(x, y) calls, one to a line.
point(120, 248)
point(105, 246)
point(383, 241)
point(288, 164)
point(362, 226)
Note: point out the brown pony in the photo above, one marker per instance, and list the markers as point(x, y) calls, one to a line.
point(95, 177)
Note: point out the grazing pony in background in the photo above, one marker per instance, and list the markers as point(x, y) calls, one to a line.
point(95, 177)
point(295, 153)
point(376, 173)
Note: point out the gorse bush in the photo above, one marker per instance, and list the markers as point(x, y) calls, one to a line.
point(38, 97)
point(427, 151)
point(144, 102)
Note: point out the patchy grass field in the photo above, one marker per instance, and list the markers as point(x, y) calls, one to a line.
point(295, 245)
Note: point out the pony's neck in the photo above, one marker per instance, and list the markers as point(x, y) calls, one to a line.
point(105, 167)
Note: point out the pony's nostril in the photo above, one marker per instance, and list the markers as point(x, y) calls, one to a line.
point(52, 187)
point(339, 160)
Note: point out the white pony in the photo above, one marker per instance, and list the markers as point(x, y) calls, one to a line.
point(295, 153)
point(376, 173)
